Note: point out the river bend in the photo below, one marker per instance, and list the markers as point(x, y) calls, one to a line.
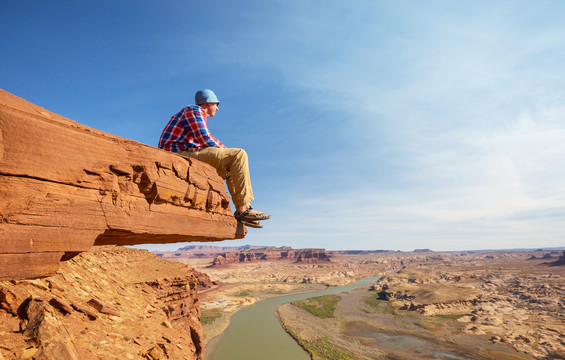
point(254, 333)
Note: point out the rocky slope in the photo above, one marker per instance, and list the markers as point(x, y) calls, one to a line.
point(108, 303)
point(66, 187)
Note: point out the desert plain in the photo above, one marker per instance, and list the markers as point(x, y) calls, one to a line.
point(426, 305)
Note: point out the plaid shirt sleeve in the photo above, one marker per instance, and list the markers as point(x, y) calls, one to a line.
point(188, 130)
point(196, 120)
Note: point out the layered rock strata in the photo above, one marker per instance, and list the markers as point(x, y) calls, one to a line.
point(109, 303)
point(66, 187)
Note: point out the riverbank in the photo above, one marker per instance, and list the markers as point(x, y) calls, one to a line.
point(331, 338)
point(254, 332)
point(241, 285)
point(319, 336)
point(220, 304)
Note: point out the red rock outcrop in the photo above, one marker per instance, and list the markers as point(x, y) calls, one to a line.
point(204, 281)
point(66, 187)
point(107, 303)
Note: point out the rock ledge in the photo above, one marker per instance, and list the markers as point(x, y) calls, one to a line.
point(66, 187)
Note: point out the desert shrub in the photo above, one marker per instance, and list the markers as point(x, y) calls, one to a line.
point(450, 316)
point(429, 325)
point(379, 306)
point(322, 349)
point(321, 306)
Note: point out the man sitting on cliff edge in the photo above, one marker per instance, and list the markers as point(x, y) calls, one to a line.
point(187, 134)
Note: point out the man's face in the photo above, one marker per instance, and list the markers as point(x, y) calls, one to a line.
point(210, 109)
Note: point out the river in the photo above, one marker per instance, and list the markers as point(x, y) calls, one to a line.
point(255, 333)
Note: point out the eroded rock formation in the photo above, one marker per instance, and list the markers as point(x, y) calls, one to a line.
point(506, 296)
point(66, 187)
point(311, 256)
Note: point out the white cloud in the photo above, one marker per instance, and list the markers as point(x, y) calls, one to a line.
point(489, 186)
point(458, 109)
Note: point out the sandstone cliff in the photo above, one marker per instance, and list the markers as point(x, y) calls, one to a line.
point(65, 187)
point(107, 303)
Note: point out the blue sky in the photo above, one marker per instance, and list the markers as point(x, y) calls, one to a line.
point(369, 124)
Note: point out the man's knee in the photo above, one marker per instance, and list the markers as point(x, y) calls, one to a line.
point(236, 155)
point(240, 154)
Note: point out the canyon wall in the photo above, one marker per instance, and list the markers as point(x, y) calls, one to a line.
point(66, 187)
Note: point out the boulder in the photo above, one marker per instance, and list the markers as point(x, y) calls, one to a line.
point(103, 308)
point(66, 187)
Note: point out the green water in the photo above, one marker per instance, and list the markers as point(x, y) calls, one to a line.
point(255, 333)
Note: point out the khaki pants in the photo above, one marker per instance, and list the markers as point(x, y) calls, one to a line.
point(232, 165)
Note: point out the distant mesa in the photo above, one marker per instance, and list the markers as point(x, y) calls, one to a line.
point(360, 252)
point(206, 251)
point(308, 256)
point(549, 256)
point(218, 249)
point(208, 248)
point(422, 250)
point(560, 261)
point(66, 187)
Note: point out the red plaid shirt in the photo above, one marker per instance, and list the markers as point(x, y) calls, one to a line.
point(187, 130)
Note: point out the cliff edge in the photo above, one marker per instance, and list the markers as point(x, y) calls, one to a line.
point(66, 187)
